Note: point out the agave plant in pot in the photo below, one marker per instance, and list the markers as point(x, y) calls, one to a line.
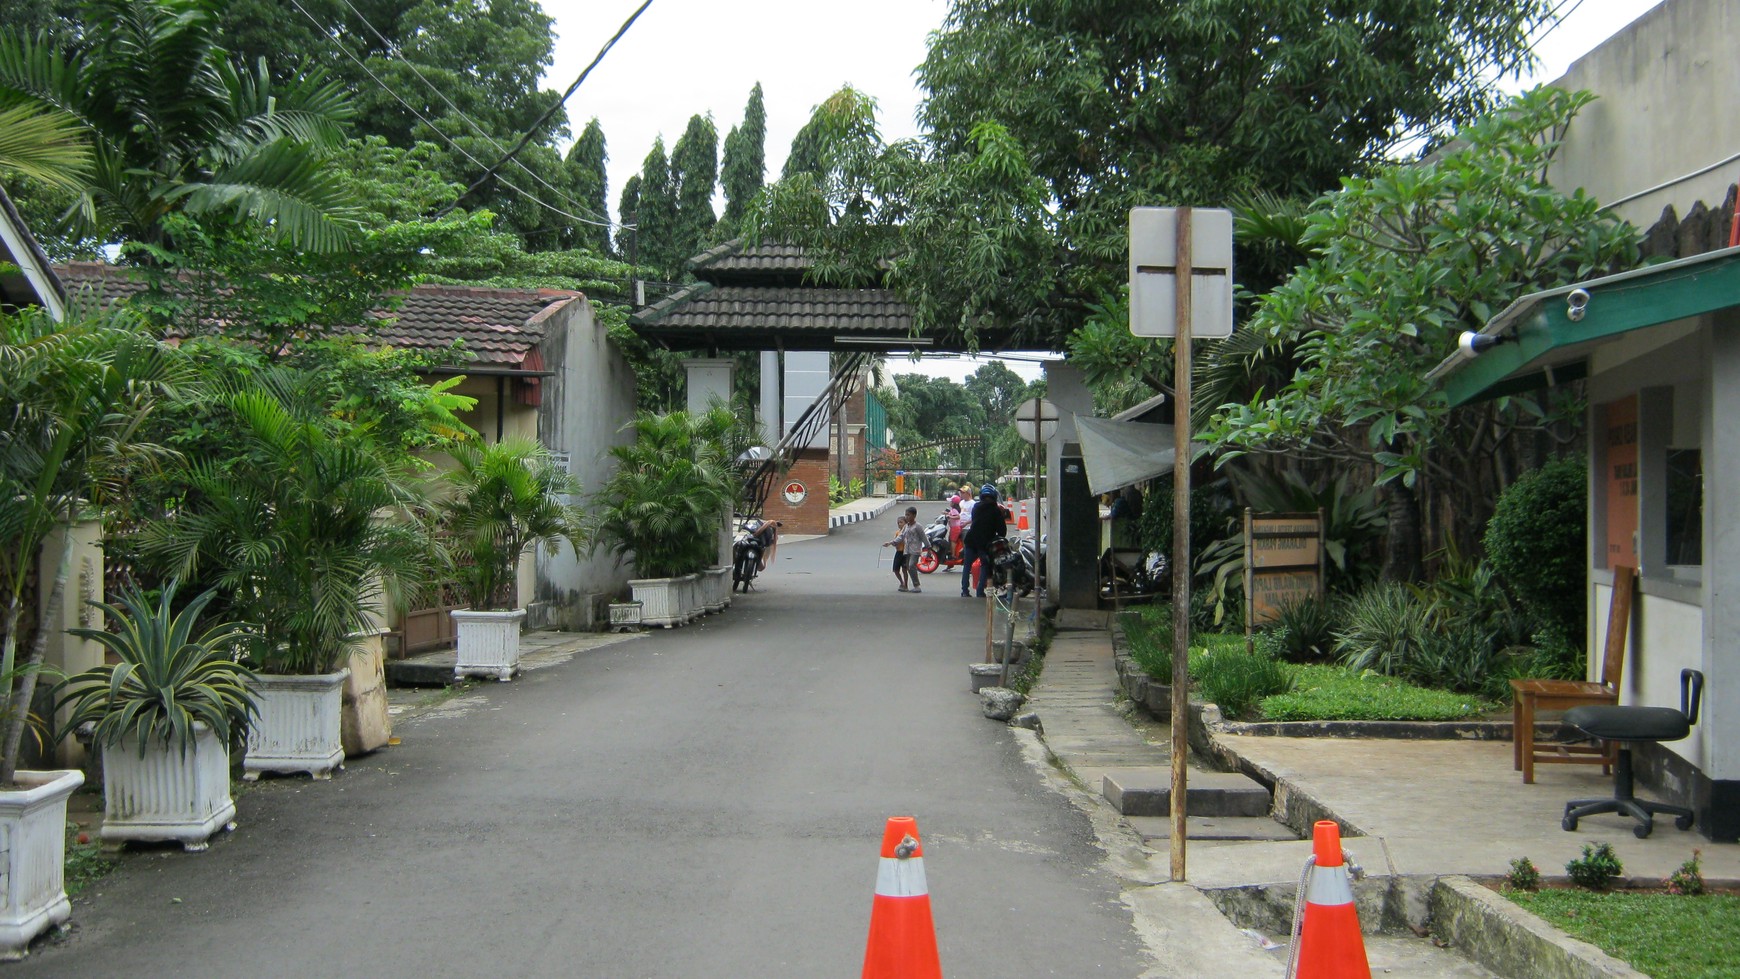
point(164, 717)
point(665, 505)
point(503, 499)
point(305, 528)
point(73, 399)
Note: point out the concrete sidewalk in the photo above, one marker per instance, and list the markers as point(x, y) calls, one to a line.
point(1425, 809)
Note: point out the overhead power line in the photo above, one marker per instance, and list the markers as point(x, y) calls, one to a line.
point(559, 103)
point(448, 139)
point(394, 50)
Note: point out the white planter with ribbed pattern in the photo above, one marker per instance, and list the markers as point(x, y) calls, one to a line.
point(488, 642)
point(298, 729)
point(33, 829)
point(167, 794)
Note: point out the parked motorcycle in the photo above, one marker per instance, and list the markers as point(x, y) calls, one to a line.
point(1010, 567)
point(1133, 574)
point(939, 550)
point(752, 547)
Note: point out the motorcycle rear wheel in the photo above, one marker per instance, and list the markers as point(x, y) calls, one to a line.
point(927, 562)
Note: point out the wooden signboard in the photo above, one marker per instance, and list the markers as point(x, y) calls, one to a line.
point(1283, 563)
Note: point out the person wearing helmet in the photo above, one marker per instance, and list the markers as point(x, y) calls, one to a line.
point(987, 525)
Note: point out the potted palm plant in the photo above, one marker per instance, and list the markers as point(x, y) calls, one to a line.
point(164, 717)
point(503, 499)
point(305, 529)
point(664, 508)
point(73, 397)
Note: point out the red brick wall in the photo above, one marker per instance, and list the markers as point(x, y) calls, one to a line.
point(810, 517)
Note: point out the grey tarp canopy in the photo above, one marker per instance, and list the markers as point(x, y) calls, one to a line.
point(1118, 454)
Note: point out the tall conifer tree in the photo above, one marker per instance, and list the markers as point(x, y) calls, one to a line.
point(584, 168)
point(745, 164)
point(694, 177)
point(628, 217)
point(657, 214)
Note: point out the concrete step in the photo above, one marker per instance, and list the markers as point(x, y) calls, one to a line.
point(424, 670)
point(1212, 828)
point(1148, 792)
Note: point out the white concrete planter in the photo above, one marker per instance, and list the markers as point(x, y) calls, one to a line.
point(167, 795)
point(299, 725)
point(662, 600)
point(716, 589)
point(489, 643)
point(33, 826)
point(624, 616)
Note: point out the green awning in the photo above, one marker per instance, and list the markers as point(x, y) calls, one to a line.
point(1541, 345)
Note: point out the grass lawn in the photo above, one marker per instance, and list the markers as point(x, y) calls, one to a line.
point(1665, 935)
point(1322, 693)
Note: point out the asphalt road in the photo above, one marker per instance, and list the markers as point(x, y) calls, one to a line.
point(706, 801)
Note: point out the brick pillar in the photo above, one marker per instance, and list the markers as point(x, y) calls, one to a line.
point(810, 516)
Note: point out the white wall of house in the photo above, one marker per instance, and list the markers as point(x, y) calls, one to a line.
point(584, 407)
point(1666, 87)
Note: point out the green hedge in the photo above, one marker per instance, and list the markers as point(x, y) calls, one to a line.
point(1537, 541)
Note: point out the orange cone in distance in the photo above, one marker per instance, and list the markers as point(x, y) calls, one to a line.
point(1022, 523)
point(902, 939)
point(1330, 943)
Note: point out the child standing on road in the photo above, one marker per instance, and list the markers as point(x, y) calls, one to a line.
point(913, 537)
point(899, 545)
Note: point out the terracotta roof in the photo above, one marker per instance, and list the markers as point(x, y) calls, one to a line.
point(497, 326)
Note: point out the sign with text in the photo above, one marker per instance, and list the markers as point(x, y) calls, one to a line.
point(1283, 563)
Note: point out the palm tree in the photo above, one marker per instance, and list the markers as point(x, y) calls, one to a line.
point(73, 400)
point(47, 146)
point(506, 497)
point(175, 126)
point(301, 527)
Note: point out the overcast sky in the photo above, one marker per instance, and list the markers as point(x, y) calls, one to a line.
point(684, 57)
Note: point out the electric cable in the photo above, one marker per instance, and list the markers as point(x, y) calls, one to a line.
point(559, 103)
point(449, 140)
point(476, 127)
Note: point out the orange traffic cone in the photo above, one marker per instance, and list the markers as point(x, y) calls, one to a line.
point(1328, 944)
point(902, 938)
point(1022, 523)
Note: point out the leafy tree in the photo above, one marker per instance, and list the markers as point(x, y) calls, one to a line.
point(43, 145)
point(590, 182)
point(1408, 259)
point(694, 177)
point(176, 126)
point(656, 214)
point(745, 162)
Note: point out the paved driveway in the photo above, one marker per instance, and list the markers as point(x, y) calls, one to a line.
point(706, 801)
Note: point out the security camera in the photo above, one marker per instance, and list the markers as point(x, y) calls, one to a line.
point(1575, 303)
point(1472, 344)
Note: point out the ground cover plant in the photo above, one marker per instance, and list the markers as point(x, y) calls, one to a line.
point(1323, 692)
point(1665, 935)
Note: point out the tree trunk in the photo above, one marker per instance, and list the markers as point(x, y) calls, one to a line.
point(19, 714)
point(1402, 558)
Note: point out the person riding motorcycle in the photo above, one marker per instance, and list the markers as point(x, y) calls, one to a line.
point(987, 525)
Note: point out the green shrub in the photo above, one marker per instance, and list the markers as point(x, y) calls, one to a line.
point(1227, 675)
point(1307, 630)
point(1148, 637)
point(1688, 879)
point(1537, 542)
point(1523, 876)
point(1382, 627)
point(1335, 693)
point(1459, 657)
point(1596, 868)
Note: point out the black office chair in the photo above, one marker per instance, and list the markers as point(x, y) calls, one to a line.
point(1626, 726)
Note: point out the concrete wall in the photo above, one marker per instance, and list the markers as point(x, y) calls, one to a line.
point(1067, 389)
point(1666, 83)
point(584, 407)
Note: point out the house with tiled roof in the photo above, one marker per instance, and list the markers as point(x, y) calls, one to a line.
point(539, 365)
point(26, 277)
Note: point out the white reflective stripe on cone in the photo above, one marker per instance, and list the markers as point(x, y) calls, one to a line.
point(1329, 885)
point(901, 878)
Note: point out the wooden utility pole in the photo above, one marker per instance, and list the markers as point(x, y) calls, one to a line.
point(1181, 546)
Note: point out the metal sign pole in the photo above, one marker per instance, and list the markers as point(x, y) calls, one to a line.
point(1181, 546)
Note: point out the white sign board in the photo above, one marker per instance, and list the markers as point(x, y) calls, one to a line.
point(1153, 271)
point(1036, 419)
